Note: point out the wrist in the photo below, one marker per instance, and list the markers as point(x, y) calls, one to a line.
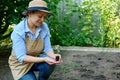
point(42, 60)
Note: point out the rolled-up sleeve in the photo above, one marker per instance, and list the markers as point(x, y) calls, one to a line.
point(19, 46)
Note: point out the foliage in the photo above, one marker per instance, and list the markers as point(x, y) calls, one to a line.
point(97, 24)
point(85, 23)
point(10, 13)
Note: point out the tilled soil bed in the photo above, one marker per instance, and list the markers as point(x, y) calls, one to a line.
point(88, 66)
point(82, 65)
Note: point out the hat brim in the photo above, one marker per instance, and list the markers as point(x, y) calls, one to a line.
point(44, 9)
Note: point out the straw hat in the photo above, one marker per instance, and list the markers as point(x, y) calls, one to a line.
point(37, 5)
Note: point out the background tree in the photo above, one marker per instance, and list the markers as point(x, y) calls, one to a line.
point(10, 13)
point(72, 23)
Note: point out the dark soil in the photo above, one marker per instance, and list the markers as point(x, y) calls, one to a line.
point(77, 66)
point(88, 66)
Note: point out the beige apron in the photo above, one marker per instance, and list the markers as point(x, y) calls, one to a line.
point(34, 48)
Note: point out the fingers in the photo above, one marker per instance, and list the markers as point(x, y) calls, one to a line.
point(54, 60)
point(58, 59)
point(49, 60)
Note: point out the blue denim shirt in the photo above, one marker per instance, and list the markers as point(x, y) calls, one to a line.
point(18, 38)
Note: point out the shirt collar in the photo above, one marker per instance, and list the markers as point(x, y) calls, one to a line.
point(26, 25)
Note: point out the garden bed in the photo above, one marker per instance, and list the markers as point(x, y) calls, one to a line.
point(79, 64)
